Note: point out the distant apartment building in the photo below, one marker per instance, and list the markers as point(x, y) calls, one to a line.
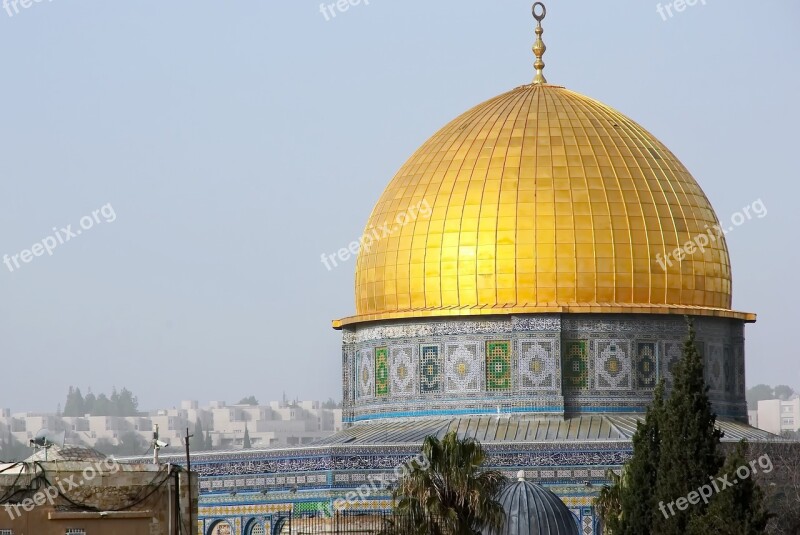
point(777, 416)
point(279, 423)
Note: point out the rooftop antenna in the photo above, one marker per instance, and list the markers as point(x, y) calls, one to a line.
point(157, 445)
point(45, 439)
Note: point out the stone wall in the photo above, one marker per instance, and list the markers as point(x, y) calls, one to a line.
point(99, 497)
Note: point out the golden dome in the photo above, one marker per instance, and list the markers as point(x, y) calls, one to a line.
point(541, 200)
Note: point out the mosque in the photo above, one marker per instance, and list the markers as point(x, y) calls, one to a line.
point(531, 310)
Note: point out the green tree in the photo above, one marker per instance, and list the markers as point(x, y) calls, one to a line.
point(637, 491)
point(688, 455)
point(74, 405)
point(88, 403)
point(758, 393)
point(249, 400)
point(198, 434)
point(609, 502)
point(736, 510)
point(128, 403)
point(331, 404)
point(246, 442)
point(209, 441)
point(102, 406)
point(454, 495)
point(113, 403)
point(784, 392)
point(131, 443)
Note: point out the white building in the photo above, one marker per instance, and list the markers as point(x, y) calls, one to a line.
point(279, 423)
point(778, 416)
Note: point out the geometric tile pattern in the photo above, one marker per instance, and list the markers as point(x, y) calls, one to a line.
point(526, 363)
point(381, 371)
point(738, 357)
point(728, 369)
point(612, 365)
point(498, 366)
point(430, 368)
point(673, 352)
point(402, 371)
point(462, 368)
point(538, 365)
point(575, 365)
point(646, 365)
point(366, 374)
point(715, 368)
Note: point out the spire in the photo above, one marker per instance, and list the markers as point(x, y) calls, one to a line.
point(538, 46)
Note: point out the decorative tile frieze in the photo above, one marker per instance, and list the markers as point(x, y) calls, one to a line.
point(538, 365)
point(402, 370)
point(612, 365)
point(462, 368)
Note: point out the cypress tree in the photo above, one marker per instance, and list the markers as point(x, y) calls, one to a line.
point(737, 509)
point(198, 433)
point(689, 440)
point(246, 442)
point(637, 498)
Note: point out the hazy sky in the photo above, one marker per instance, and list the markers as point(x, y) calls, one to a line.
point(236, 142)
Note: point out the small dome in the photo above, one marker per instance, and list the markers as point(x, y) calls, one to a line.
point(534, 510)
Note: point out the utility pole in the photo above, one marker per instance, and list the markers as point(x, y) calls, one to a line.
point(192, 527)
point(155, 446)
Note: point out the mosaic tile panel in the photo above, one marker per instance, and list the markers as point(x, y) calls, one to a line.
point(605, 379)
point(738, 355)
point(309, 507)
point(430, 369)
point(646, 365)
point(728, 369)
point(462, 368)
point(366, 374)
point(673, 352)
point(575, 365)
point(498, 366)
point(538, 366)
point(402, 371)
point(714, 368)
point(381, 371)
point(612, 365)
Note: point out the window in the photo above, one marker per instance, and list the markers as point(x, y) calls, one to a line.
point(75, 531)
point(788, 421)
point(6, 532)
point(787, 408)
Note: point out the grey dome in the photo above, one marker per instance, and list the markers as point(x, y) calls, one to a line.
point(534, 510)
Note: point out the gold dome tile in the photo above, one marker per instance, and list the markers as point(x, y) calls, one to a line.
point(542, 200)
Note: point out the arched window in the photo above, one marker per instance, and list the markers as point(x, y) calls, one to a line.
point(255, 528)
point(220, 528)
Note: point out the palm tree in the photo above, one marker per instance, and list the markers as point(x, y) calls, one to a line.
point(452, 495)
point(609, 502)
